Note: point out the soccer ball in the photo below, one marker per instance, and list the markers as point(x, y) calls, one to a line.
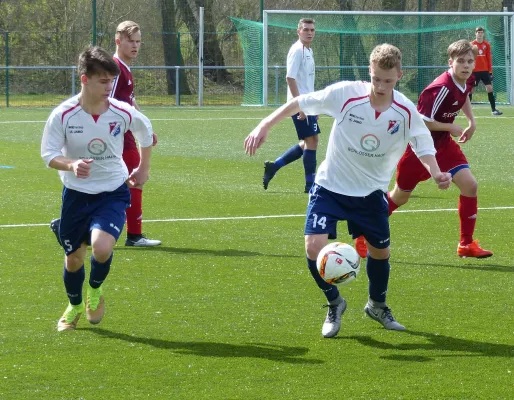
point(338, 263)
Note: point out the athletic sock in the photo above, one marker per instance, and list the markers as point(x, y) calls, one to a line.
point(392, 205)
point(309, 164)
point(330, 291)
point(99, 272)
point(378, 275)
point(292, 154)
point(135, 212)
point(73, 282)
point(468, 208)
point(492, 101)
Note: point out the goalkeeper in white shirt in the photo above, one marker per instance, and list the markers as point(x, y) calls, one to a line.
point(373, 124)
point(83, 140)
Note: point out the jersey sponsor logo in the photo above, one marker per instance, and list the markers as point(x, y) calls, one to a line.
point(450, 115)
point(75, 129)
point(355, 119)
point(394, 126)
point(370, 142)
point(114, 128)
point(97, 147)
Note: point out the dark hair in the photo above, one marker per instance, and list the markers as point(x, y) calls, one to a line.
point(479, 29)
point(94, 61)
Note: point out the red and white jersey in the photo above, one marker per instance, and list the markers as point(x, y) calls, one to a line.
point(301, 67)
point(75, 134)
point(364, 145)
point(442, 100)
point(123, 90)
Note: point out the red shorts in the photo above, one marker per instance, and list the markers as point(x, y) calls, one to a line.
point(132, 158)
point(410, 170)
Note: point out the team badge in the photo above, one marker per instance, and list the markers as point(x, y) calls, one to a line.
point(393, 127)
point(114, 128)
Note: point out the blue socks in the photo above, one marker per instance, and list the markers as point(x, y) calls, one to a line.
point(330, 291)
point(99, 271)
point(293, 154)
point(73, 282)
point(378, 275)
point(309, 164)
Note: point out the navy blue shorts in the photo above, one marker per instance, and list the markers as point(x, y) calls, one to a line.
point(82, 212)
point(306, 127)
point(483, 76)
point(368, 216)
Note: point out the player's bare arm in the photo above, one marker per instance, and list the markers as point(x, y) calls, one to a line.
point(258, 136)
point(442, 179)
point(80, 168)
point(436, 126)
point(141, 174)
point(293, 87)
point(467, 134)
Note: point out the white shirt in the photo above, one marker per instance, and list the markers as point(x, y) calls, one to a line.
point(364, 146)
point(75, 134)
point(300, 67)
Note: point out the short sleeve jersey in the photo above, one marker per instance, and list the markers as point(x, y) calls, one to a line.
point(483, 62)
point(123, 90)
point(364, 146)
point(73, 133)
point(301, 67)
point(442, 101)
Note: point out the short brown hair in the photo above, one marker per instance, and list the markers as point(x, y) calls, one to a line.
point(95, 61)
point(127, 29)
point(386, 56)
point(460, 48)
point(305, 21)
point(479, 29)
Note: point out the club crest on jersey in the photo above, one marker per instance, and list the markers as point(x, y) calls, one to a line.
point(114, 128)
point(393, 127)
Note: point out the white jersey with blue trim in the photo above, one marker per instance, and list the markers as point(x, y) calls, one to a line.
point(301, 67)
point(364, 146)
point(73, 133)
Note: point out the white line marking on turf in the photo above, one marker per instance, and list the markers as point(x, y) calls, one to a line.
point(265, 216)
point(205, 119)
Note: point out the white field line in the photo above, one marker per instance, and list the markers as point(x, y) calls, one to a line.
point(205, 119)
point(266, 216)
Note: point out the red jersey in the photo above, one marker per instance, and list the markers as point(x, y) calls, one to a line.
point(442, 100)
point(123, 90)
point(484, 60)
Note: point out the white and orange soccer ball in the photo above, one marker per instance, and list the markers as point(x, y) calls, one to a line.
point(338, 263)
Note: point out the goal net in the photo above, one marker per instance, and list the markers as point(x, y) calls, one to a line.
point(344, 41)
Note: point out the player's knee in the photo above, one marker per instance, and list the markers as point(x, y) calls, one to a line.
point(378, 254)
point(102, 252)
point(311, 142)
point(74, 262)
point(313, 246)
point(470, 188)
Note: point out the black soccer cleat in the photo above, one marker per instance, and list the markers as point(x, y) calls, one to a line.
point(269, 172)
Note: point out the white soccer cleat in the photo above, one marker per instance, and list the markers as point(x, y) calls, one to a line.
point(332, 322)
point(383, 316)
point(142, 241)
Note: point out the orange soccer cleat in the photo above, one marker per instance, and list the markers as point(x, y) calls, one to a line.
point(473, 250)
point(361, 247)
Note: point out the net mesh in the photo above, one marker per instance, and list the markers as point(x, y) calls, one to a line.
point(343, 43)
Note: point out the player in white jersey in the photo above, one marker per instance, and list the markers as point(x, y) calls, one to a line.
point(83, 140)
point(372, 126)
point(300, 80)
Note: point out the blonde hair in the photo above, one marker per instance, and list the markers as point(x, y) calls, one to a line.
point(305, 21)
point(127, 29)
point(386, 56)
point(460, 48)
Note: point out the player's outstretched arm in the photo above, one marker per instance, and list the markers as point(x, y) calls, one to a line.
point(442, 179)
point(258, 136)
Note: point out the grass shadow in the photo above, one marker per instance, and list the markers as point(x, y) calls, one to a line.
point(475, 267)
point(212, 252)
point(438, 343)
point(287, 354)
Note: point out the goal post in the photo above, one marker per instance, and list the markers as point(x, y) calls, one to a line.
point(344, 40)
